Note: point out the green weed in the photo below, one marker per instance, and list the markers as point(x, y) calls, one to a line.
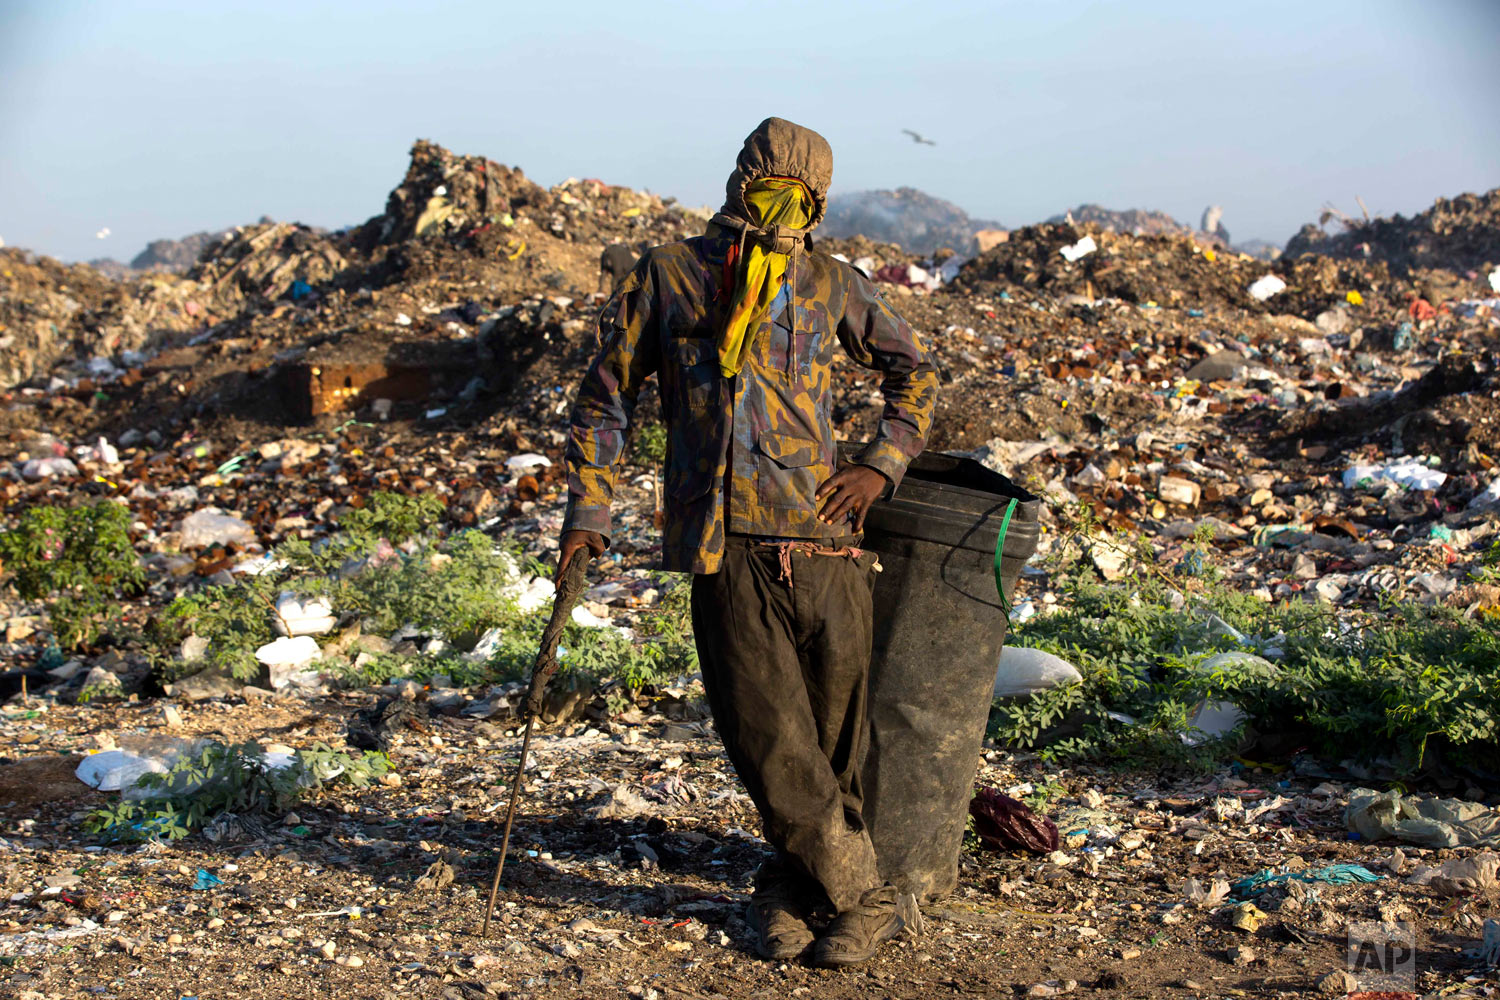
point(221, 779)
point(394, 517)
point(446, 586)
point(77, 559)
point(1347, 684)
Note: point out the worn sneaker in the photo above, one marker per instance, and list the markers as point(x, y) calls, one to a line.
point(779, 923)
point(856, 934)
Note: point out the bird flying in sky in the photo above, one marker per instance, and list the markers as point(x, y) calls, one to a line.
point(918, 138)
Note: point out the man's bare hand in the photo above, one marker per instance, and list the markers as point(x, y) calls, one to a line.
point(572, 541)
point(848, 494)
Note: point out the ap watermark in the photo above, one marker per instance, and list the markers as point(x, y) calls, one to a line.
point(1383, 956)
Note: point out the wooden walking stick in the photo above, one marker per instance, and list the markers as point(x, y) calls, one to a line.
point(569, 588)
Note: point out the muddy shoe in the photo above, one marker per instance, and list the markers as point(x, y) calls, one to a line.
point(779, 923)
point(855, 934)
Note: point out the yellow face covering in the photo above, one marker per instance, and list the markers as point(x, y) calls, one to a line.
point(773, 201)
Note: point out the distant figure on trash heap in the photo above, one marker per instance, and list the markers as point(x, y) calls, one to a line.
point(740, 326)
point(615, 263)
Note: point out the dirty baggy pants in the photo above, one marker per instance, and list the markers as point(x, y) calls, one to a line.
point(785, 664)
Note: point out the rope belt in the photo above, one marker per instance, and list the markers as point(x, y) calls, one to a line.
point(784, 551)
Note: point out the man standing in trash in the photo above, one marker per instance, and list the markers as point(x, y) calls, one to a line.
point(740, 327)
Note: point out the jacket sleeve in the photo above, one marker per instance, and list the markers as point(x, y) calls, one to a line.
point(629, 352)
point(878, 339)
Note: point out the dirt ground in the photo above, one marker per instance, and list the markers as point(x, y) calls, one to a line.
point(645, 899)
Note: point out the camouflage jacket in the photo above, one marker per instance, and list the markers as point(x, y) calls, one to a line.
point(744, 455)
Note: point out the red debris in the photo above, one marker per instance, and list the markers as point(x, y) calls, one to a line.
point(1004, 824)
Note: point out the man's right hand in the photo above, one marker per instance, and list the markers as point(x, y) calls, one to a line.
point(572, 541)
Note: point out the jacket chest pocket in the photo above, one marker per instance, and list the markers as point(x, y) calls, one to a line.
point(803, 343)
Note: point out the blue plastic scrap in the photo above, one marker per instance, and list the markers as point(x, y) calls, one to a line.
point(207, 880)
point(1341, 874)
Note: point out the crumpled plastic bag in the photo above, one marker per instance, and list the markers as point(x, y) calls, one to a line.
point(1412, 475)
point(1415, 819)
point(1206, 897)
point(48, 468)
point(209, 526)
point(1004, 824)
point(1489, 945)
point(1265, 286)
point(1022, 672)
point(112, 770)
point(119, 769)
point(1487, 497)
point(623, 803)
point(1459, 876)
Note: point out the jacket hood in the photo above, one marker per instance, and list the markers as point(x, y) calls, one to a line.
point(779, 148)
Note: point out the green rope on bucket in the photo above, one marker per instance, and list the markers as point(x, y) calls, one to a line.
point(1000, 552)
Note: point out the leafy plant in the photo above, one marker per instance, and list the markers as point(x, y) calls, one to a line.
point(1488, 570)
point(452, 587)
point(234, 619)
point(392, 516)
point(666, 651)
point(648, 444)
point(1379, 685)
point(1043, 794)
point(77, 559)
point(219, 779)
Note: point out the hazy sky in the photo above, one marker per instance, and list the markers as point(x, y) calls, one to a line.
point(159, 119)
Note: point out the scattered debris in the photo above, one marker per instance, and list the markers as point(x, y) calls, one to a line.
point(1004, 824)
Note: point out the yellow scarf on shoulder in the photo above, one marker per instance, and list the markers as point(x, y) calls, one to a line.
point(773, 201)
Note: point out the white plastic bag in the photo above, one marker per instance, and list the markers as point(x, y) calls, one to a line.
point(1266, 286)
point(1024, 671)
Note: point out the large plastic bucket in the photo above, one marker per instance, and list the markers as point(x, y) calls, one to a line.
point(939, 628)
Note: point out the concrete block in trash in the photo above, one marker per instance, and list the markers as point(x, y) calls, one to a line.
point(1175, 489)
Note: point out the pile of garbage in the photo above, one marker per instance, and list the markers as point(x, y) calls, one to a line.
point(1170, 386)
point(1091, 263)
point(1455, 234)
point(444, 194)
point(267, 262)
point(53, 313)
point(1134, 221)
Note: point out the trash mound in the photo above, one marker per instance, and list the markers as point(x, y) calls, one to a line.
point(1458, 234)
point(267, 261)
point(444, 193)
point(1134, 221)
point(1166, 269)
point(592, 211)
point(917, 221)
point(463, 242)
point(52, 312)
point(177, 256)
